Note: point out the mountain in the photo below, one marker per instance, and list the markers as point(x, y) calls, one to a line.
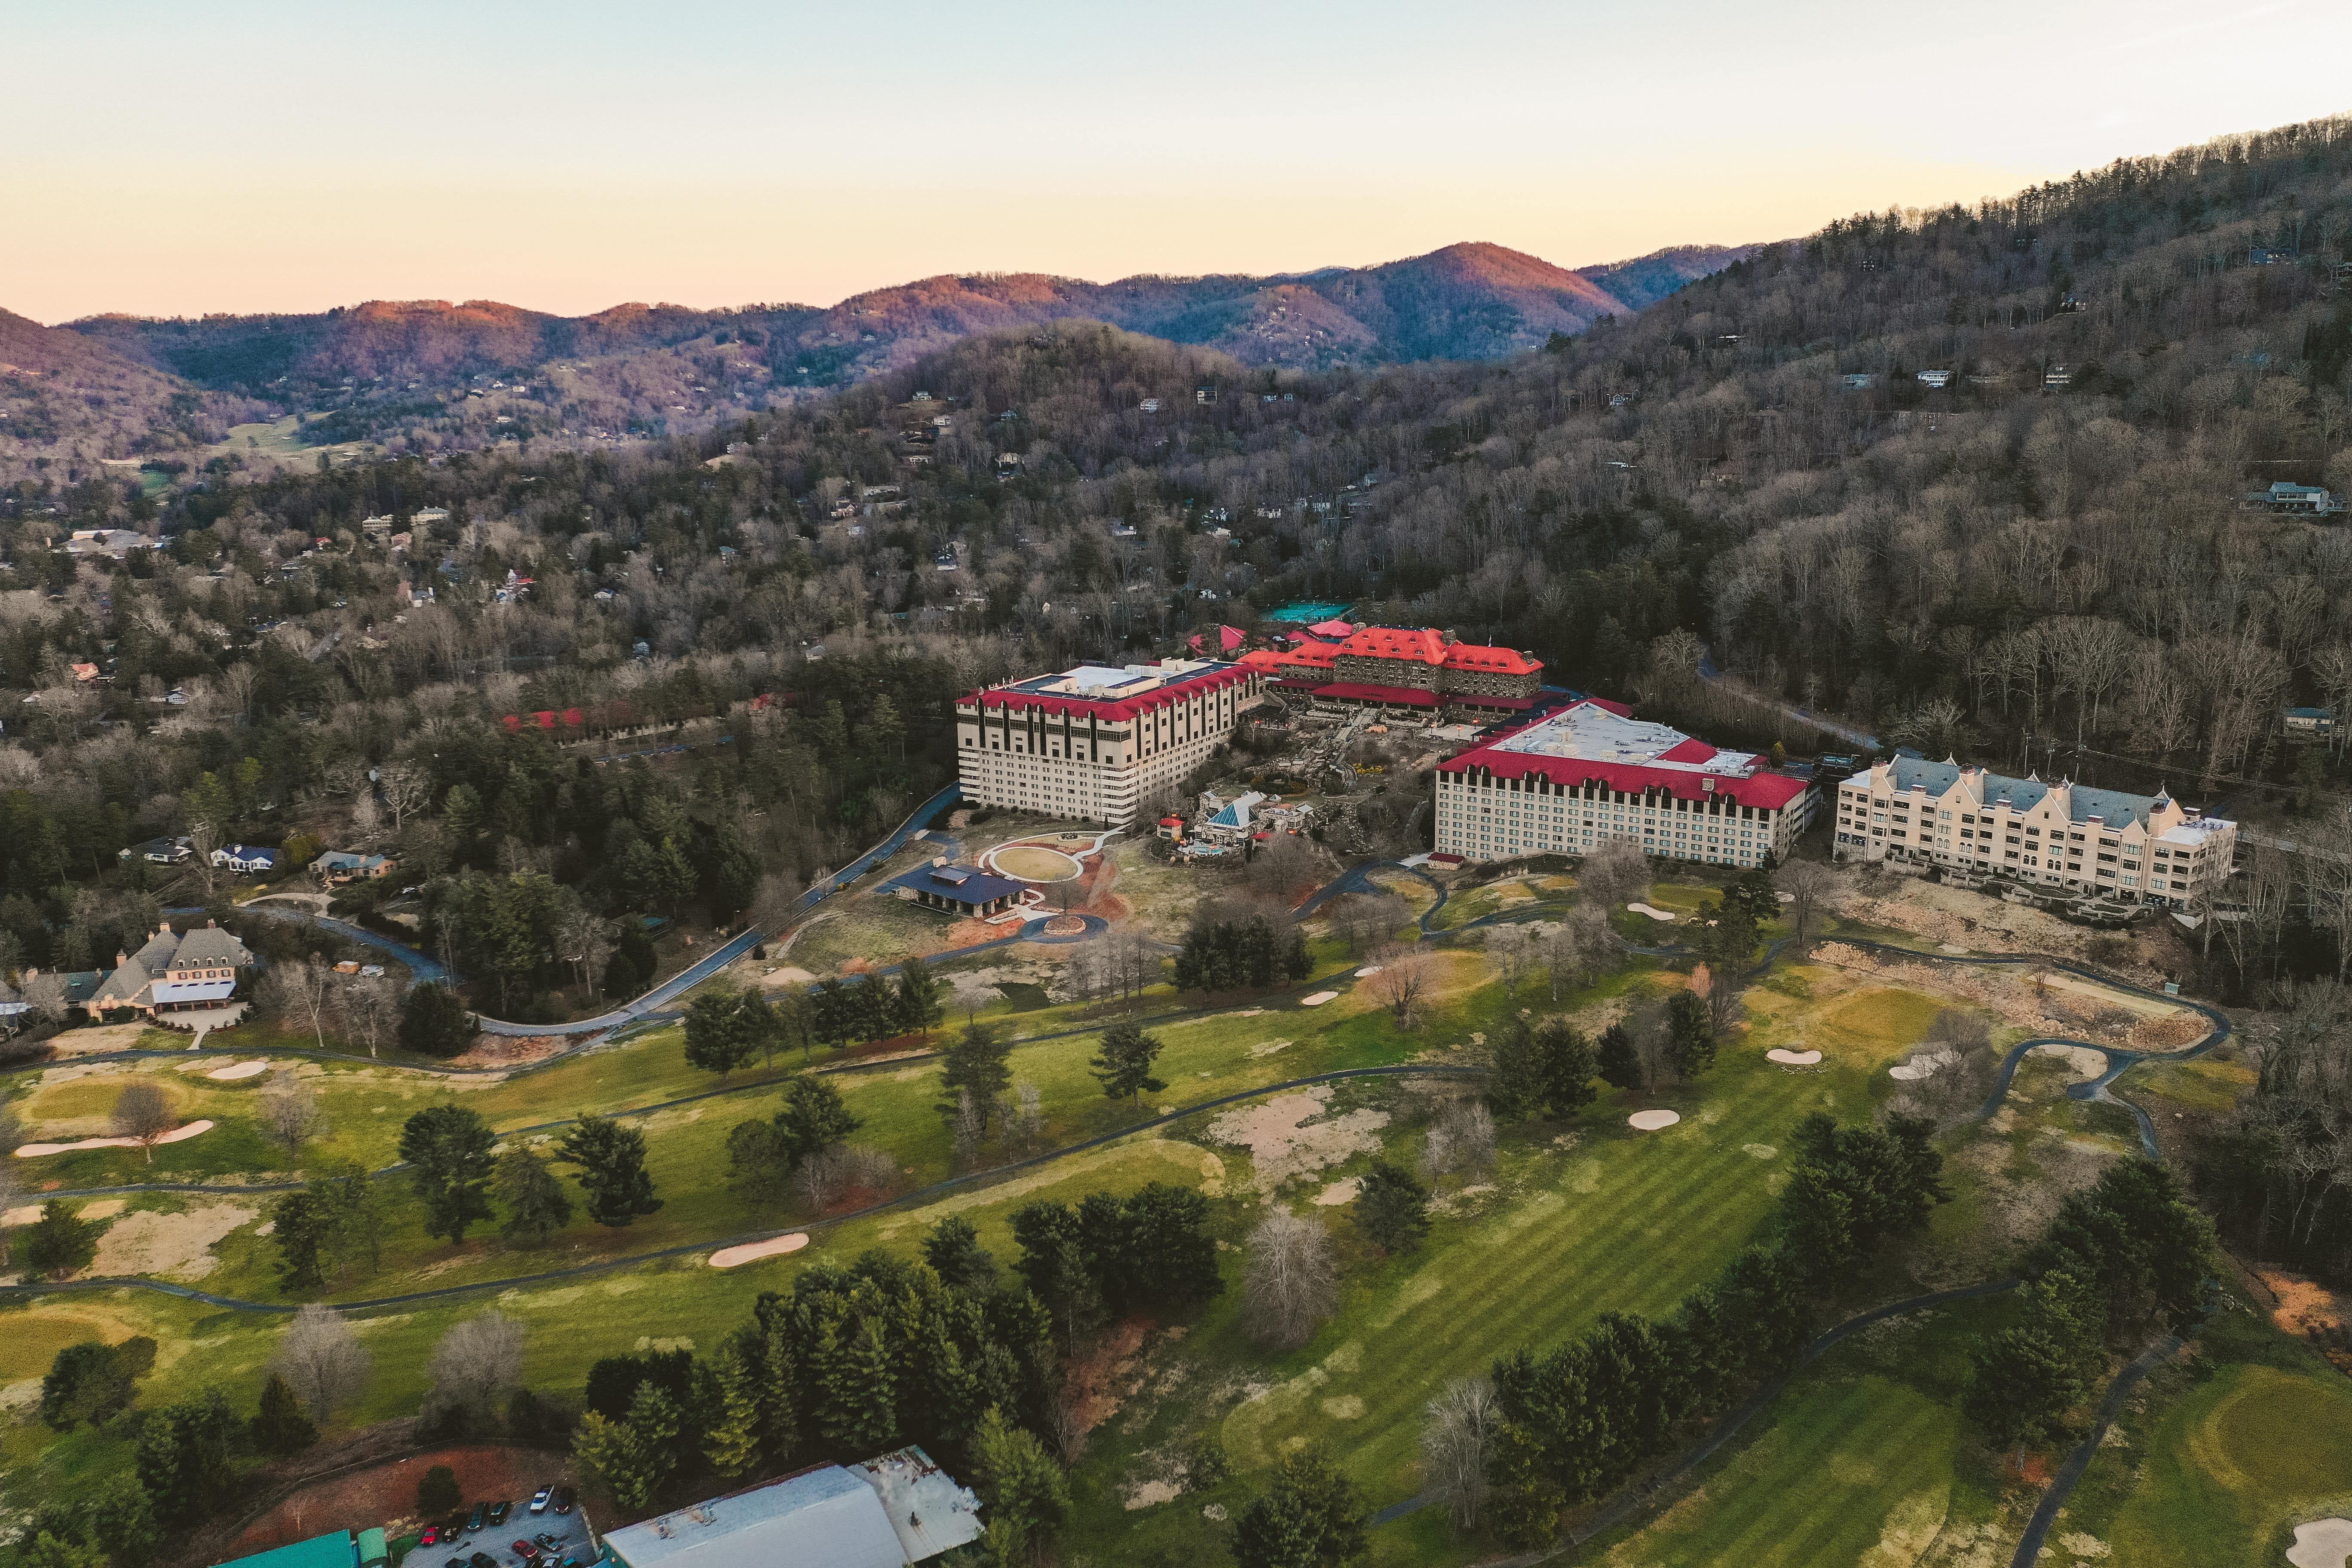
point(428, 373)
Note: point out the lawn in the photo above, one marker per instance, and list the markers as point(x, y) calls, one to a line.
point(2225, 1454)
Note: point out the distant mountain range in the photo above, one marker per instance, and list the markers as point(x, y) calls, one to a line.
point(120, 385)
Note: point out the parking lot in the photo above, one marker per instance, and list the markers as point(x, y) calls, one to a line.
point(496, 1541)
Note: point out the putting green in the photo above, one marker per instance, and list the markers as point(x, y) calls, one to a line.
point(1034, 863)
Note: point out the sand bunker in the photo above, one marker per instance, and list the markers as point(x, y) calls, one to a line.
point(1338, 1192)
point(1923, 1065)
point(173, 1245)
point(1368, 971)
point(2322, 1543)
point(1792, 1058)
point(1319, 998)
point(752, 1252)
point(231, 1073)
point(1285, 1141)
point(2087, 1062)
point(177, 1135)
point(1652, 910)
point(1652, 1121)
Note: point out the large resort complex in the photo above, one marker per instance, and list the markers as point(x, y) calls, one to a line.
point(1591, 773)
point(1401, 667)
point(1092, 743)
point(2133, 848)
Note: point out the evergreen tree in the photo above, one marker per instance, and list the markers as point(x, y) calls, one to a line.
point(184, 1456)
point(952, 1248)
point(1020, 1486)
point(1565, 1068)
point(1514, 1085)
point(1310, 1517)
point(917, 1005)
point(61, 1241)
point(1170, 1253)
point(1056, 1266)
point(814, 1118)
point(719, 1034)
point(1122, 1064)
point(1391, 1208)
point(1690, 1034)
point(829, 1012)
point(780, 1406)
point(2022, 1382)
point(447, 1149)
point(1618, 1060)
point(610, 1157)
point(976, 1062)
point(438, 1495)
point(733, 1443)
point(860, 1412)
point(279, 1426)
point(302, 1226)
point(433, 1022)
point(537, 1206)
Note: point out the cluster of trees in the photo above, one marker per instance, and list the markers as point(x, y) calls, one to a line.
point(803, 1147)
point(1226, 952)
point(1572, 1423)
point(1546, 1067)
point(850, 1362)
point(2120, 1260)
point(1107, 1256)
point(2280, 1173)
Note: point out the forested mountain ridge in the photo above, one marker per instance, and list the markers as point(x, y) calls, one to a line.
point(431, 375)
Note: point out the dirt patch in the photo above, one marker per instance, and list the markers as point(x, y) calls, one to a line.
point(386, 1494)
point(92, 1041)
point(514, 1050)
point(1284, 1140)
point(2041, 1002)
point(1104, 1378)
point(1956, 918)
point(176, 1246)
point(2302, 1304)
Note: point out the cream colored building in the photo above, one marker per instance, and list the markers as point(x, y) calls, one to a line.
point(1094, 743)
point(1591, 773)
point(2134, 849)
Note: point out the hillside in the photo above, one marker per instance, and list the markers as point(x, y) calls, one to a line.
point(429, 374)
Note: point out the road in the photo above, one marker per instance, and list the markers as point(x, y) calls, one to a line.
point(1715, 675)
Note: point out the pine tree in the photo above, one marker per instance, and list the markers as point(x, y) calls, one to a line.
point(814, 1119)
point(1690, 1034)
point(1391, 1208)
point(1515, 1085)
point(279, 1426)
point(1619, 1061)
point(537, 1204)
point(1020, 1486)
point(1311, 1517)
point(918, 1005)
point(977, 1062)
point(1122, 1064)
point(610, 1157)
point(1565, 1068)
point(953, 1250)
point(61, 1241)
point(301, 1225)
point(732, 1442)
point(447, 1148)
point(780, 1390)
point(718, 1037)
point(861, 1399)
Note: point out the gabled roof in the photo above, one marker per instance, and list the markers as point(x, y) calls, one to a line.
point(1506, 660)
point(1423, 644)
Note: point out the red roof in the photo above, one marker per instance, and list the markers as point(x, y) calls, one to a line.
point(1401, 695)
point(1510, 661)
point(1425, 644)
point(1183, 689)
point(1764, 792)
point(1332, 629)
point(1692, 750)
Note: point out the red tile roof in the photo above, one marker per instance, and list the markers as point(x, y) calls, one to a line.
point(1471, 656)
point(1763, 791)
point(1183, 690)
point(1425, 644)
point(1692, 750)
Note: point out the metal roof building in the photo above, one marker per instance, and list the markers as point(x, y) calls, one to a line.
point(336, 1549)
point(887, 1512)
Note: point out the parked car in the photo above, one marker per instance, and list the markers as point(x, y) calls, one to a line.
point(564, 1497)
point(549, 1538)
point(499, 1509)
point(538, 1499)
point(431, 1533)
point(528, 1551)
point(455, 1562)
point(474, 1519)
point(481, 1560)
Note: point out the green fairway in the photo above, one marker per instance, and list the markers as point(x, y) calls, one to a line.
point(2226, 1453)
point(1862, 1462)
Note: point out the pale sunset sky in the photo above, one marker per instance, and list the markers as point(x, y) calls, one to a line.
point(254, 155)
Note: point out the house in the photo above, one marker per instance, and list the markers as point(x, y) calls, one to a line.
point(956, 890)
point(1935, 380)
point(1858, 383)
point(1149, 406)
point(2057, 378)
point(159, 851)
point(428, 517)
point(118, 542)
point(2308, 723)
point(245, 859)
point(84, 674)
point(2283, 496)
point(172, 974)
point(1231, 821)
point(339, 866)
point(884, 1512)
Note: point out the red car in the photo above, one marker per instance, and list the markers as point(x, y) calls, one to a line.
point(528, 1551)
point(432, 1534)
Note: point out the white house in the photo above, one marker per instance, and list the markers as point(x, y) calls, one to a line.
point(245, 859)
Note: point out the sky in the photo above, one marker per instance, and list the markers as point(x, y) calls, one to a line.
point(247, 155)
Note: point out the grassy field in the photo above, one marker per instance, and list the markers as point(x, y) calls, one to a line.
point(1860, 1463)
point(2224, 1452)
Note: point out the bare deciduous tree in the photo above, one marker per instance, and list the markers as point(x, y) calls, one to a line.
point(1291, 1282)
point(367, 1007)
point(1511, 950)
point(289, 1113)
point(1809, 884)
point(143, 1114)
point(1402, 980)
point(1462, 1138)
point(1462, 1424)
point(297, 991)
point(322, 1360)
point(476, 1360)
point(1616, 874)
point(405, 789)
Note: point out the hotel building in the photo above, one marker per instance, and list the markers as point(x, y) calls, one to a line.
point(1592, 771)
point(2134, 849)
point(1092, 742)
point(1403, 666)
